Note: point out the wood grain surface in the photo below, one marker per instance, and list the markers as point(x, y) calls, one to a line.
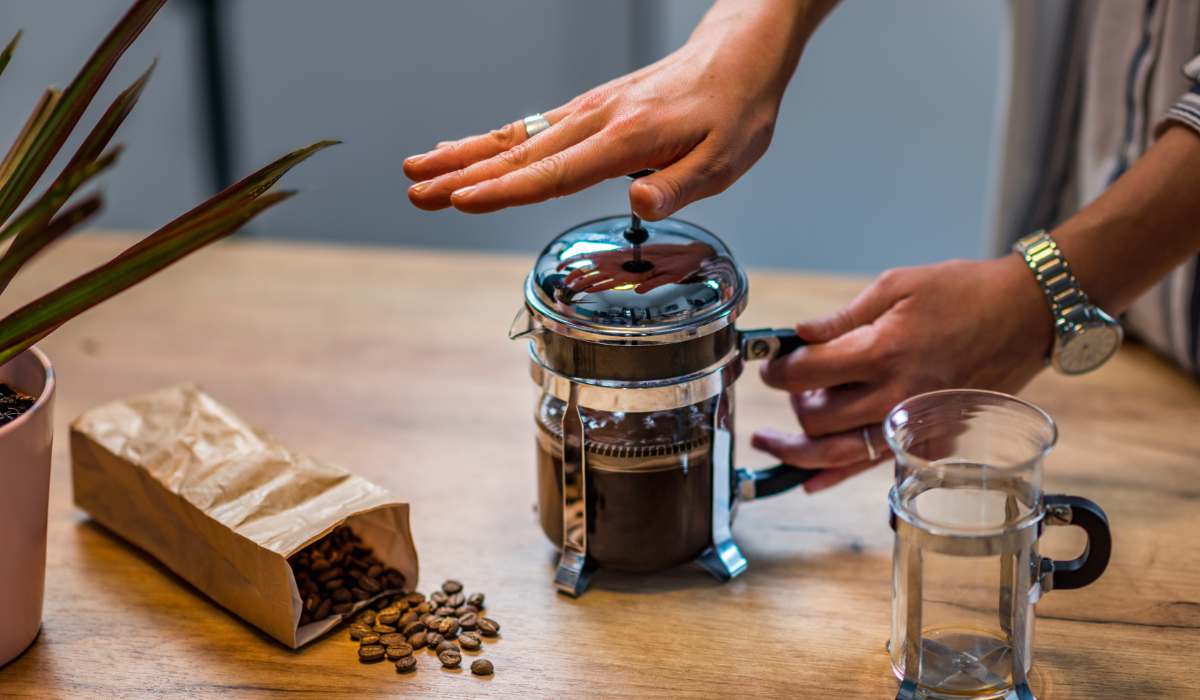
point(395, 364)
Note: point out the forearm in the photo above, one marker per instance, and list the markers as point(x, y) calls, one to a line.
point(1146, 224)
point(766, 36)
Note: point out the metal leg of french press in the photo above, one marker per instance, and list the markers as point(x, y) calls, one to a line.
point(574, 567)
point(1018, 629)
point(912, 624)
point(723, 558)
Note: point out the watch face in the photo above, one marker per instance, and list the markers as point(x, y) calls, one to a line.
point(1089, 348)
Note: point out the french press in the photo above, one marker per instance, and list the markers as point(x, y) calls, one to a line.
point(968, 510)
point(635, 353)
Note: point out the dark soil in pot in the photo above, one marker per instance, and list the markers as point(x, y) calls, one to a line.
point(13, 403)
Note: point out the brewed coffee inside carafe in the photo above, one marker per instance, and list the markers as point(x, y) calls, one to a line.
point(648, 486)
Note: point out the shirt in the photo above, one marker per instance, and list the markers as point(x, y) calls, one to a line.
point(1092, 83)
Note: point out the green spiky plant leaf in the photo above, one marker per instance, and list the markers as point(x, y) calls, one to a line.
point(51, 216)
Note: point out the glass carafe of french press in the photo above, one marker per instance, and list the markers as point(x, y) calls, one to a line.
point(968, 509)
point(634, 351)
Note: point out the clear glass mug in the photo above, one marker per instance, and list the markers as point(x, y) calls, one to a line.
point(968, 509)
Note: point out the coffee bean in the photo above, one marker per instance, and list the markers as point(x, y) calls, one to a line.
point(430, 621)
point(482, 667)
point(391, 639)
point(451, 586)
point(375, 570)
point(366, 617)
point(399, 651)
point(410, 616)
point(343, 608)
point(406, 664)
point(448, 627)
point(359, 594)
point(446, 644)
point(413, 627)
point(312, 602)
point(476, 599)
point(342, 595)
point(323, 609)
point(358, 631)
point(415, 598)
point(369, 639)
point(444, 611)
point(380, 604)
point(383, 629)
point(369, 584)
point(456, 600)
point(424, 607)
point(319, 565)
point(371, 653)
point(416, 641)
point(388, 618)
point(469, 621)
point(488, 627)
point(469, 641)
point(393, 579)
point(464, 609)
point(335, 583)
point(438, 598)
point(432, 639)
point(451, 658)
point(329, 575)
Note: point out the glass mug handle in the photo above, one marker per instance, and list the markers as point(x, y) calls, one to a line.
point(767, 344)
point(1087, 567)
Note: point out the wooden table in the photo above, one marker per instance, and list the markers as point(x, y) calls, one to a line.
point(395, 363)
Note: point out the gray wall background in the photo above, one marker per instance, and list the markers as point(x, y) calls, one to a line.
point(882, 156)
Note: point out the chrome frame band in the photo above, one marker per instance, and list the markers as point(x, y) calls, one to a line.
point(637, 397)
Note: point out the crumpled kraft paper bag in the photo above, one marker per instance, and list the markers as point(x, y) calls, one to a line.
point(224, 505)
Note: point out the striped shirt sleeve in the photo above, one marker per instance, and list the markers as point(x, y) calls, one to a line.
point(1187, 110)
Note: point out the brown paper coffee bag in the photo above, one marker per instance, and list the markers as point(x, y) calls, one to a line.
point(223, 505)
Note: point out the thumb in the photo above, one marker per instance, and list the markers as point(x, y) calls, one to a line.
point(865, 308)
point(697, 175)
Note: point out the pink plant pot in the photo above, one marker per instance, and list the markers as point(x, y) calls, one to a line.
point(24, 497)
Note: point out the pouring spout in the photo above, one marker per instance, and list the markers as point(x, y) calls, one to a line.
point(523, 324)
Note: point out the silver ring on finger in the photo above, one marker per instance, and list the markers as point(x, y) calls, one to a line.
point(872, 453)
point(535, 124)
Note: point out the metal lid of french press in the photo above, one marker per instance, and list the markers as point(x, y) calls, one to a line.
point(621, 279)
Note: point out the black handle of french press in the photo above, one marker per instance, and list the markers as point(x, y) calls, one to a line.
point(781, 477)
point(1086, 515)
point(789, 341)
point(770, 343)
point(777, 479)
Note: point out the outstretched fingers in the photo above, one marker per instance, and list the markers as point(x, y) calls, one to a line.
point(449, 156)
point(582, 165)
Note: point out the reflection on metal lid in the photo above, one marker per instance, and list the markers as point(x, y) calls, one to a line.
point(593, 279)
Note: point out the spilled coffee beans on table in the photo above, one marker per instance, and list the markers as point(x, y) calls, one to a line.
point(337, 572)
point(415, 622)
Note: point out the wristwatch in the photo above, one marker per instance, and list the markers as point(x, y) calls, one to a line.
point(1084, 336)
